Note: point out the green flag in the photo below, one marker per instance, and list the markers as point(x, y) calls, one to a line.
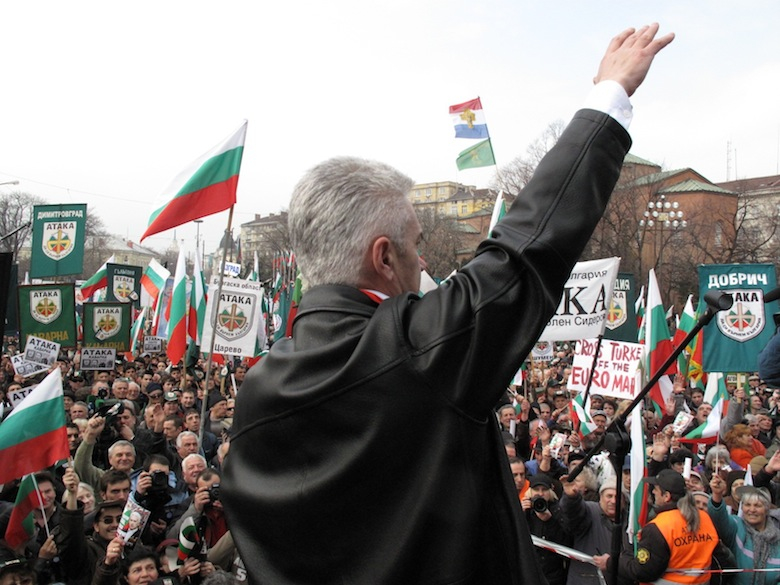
point(479, 155)
point(48, 311)
point(107, 325)
point(124, 284)
point(621, 316)
point(58, 240)
point(734, 338)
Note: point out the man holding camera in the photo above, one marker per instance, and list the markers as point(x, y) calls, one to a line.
point(206, 512)
point(545, 520)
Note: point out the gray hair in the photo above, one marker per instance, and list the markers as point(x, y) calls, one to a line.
point(721, 452)
point(190, 457)
point(183, 435)
point(687, 507)
point(118, 444)
point(338, 208)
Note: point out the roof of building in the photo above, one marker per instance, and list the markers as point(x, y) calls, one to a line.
point(693, 186)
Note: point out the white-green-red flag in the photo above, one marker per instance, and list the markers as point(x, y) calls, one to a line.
point(152, 283)
point(580, 417)
point(177, 324)
point(684, 327)
point(21, 526)
point(97, 281)
point(205, 187)
point(135, 333)
point(499, 211)
point(197, 303)
point(658, 342)
point(33, 436)
point(638, 506)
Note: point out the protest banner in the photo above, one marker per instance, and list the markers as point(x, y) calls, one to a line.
point(98, 358)
point(232, 269)
point(41, 351)
point(615, 371)
point(621, 315)
point(124, 283)
point(153, 344)
point(733, 340)
point(237, 314)
point(107, 325)
point(58, 240)
point(542, 351)
point(48, 311)
point(27, 369)
point(582, 312)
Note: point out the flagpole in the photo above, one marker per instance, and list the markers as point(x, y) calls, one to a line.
point(40, 505)
point(207, 377)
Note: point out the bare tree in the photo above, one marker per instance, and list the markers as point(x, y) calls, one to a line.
point(16, 219)
point(443, 240)
point(513, 177)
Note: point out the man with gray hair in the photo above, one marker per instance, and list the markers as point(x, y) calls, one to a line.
point(370, 360)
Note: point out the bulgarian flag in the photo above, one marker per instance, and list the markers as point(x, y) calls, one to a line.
point(295, 301)
point(177, 324)
point(696, 370)
point(716, 394)
point(657, 342)
point(152, 283)
point(190, 541)
point(684, 327)
point(499, 211)
point(135, 333)
point(33, 436)
point(637, 516)
point(98, 281)
point(639, 311)
point(197, 316)
point(580, 419)
point(207, 186)
point(21, 526)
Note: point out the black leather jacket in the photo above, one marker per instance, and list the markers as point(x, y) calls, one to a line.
point(365, 448)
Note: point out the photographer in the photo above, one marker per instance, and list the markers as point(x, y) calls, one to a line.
point(152, 489)
point(121, 454)
point(206, 511)
point(540, 505)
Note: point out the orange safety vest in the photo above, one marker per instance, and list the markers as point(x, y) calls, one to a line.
point(688, 550)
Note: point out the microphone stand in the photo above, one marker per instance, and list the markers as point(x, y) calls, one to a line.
point(616, 439)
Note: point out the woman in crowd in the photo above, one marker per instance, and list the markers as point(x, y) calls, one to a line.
point(739, 441)
point(754, 539)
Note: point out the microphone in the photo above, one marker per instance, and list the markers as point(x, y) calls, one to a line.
point(718, 300)
point(772, 295)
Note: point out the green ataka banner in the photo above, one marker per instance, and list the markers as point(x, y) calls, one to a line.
point(735, 336)
point(107, 325)
point(58, 240)
point(48, 311)
point(479, 155)
point(621, 315)
point(124, 284)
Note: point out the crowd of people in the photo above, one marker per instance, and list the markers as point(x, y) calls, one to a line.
point(712, 505)
point(138, 501)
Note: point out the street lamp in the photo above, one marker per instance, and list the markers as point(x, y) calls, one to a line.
point(10, 183)
point(661, 215)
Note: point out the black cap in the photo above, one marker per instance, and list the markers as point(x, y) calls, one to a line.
point(215, 398)
point(540, 479)
point(669, 481)
point(680, 455)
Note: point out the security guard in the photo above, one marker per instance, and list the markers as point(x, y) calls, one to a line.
point(679, 537)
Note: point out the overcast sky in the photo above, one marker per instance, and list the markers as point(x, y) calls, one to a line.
point(105, 102)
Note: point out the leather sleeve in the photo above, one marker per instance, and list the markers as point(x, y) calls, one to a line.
point(509, 291)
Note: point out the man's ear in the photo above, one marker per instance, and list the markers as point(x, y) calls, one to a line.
point(383, 260)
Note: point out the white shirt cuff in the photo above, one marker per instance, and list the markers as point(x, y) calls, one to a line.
point(609, 97)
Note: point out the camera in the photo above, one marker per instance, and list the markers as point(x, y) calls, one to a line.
point(539, 504)
point(159, 481)
point(213, 492)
